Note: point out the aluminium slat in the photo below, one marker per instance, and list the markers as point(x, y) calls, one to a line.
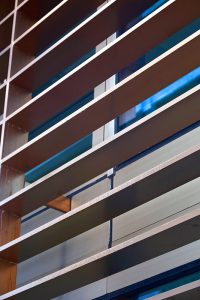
point(114, 56)
point(4, 59)
point(5, 50)
point(79, 41)
point(55, 17)
point(21, 3)
point(190, 291)
point(7, 17)
point(135, 139)
point(5, 5)
point(5, 34)
point(2, 85)
point(172, 234)
point(134, 193)
point(168, 67)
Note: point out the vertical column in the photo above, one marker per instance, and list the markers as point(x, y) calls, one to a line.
point(9, 230)
point(9, 181)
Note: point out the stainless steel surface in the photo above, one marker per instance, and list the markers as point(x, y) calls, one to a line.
point(172, 65)
point(114, 56)
point(99, 159)
point(157, 241)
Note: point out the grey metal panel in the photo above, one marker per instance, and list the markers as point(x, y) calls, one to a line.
point(157, 156)
point(128, 225)
point(71, 251)
point(175, 172)
point(38, 218)
point(79, 247)
point(88, 292)
point(146, 246)
point(124, 226)
point(90, 192)
point(104, 156)
point(164, 263)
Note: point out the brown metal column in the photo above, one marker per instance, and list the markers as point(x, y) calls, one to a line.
point(10, 180)
point(9, 230)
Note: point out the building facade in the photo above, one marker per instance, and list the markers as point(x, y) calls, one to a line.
point(99, 149)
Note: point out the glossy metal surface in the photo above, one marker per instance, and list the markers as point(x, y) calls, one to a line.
point(134, 193)
point(114, 56)
point(170, 66)
point(154, 242)
point(148, 132)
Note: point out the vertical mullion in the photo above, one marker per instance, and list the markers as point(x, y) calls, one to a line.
point(9, 224)
point(8, 79)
